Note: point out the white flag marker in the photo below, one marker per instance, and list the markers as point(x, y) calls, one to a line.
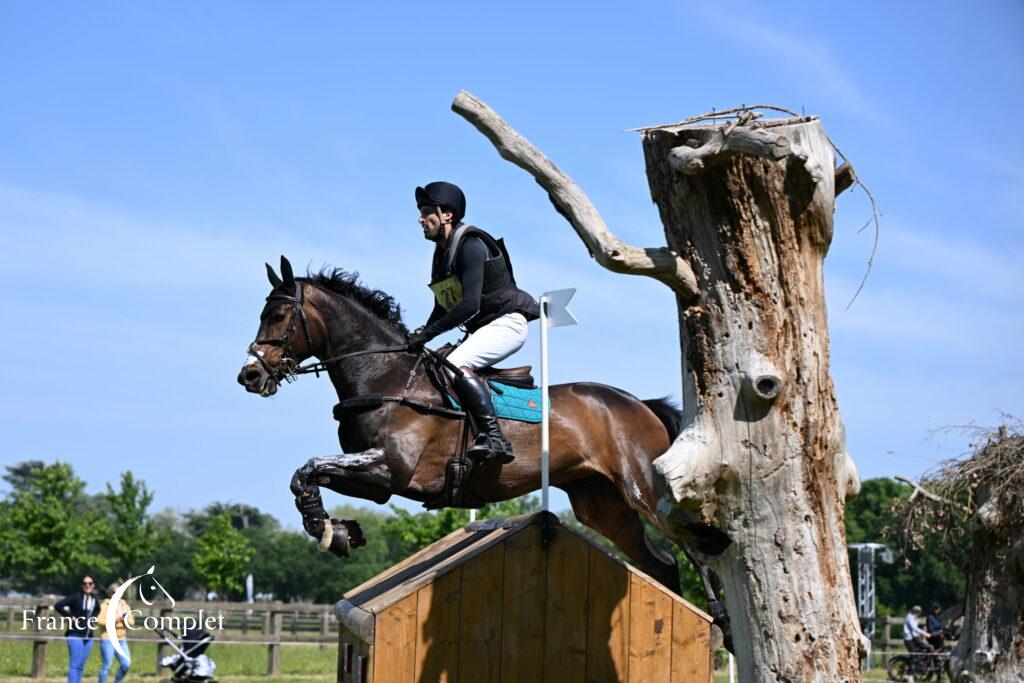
point(553, 313)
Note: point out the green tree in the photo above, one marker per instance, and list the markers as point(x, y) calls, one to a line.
point(46, 532)
point(19, 475)
point(242, 516)
point(918, 576)
point(222, 556)
point(132, 538)
point(173, 554)
point(416, 531)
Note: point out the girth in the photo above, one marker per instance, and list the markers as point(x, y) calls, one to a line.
point(366, 402)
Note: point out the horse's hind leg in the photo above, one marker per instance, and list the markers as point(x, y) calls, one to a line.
point(364, 475)
point(598, 505)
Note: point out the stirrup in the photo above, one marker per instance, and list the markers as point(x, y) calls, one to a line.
point(490, 447)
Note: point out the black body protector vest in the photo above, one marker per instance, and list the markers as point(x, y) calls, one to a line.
point(500, 294)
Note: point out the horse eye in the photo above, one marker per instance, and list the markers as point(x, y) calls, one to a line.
point(277, 317)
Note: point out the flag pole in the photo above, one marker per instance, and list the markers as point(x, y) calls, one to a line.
point(544, 435)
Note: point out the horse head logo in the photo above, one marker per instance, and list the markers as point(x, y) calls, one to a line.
point(149, 592)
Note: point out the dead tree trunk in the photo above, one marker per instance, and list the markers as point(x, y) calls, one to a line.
point(991, 644)
point(762, 455)
point(977, 503)
point(761, 467)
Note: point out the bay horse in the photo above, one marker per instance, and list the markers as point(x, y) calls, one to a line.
point(602, 439)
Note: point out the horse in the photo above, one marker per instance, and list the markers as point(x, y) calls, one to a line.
point(602, 439)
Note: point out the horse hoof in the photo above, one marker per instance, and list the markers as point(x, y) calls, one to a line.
point(355, 532)
point(335, 538)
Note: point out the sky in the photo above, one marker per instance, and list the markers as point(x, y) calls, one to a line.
point(155, 155)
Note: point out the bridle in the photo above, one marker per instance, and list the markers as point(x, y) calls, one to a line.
point(289, 367)
point(288, 370)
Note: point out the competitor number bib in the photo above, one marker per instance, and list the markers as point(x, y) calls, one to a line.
point(448, 292)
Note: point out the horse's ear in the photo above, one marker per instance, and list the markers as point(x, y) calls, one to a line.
point(275, 281)
point(286, 272)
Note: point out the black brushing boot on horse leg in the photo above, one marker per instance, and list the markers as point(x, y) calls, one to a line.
point(475, 398)
point(338, 536)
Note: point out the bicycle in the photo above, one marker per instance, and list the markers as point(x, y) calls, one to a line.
point(925, 666)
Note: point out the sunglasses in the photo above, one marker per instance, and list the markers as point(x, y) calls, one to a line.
point(88, 583)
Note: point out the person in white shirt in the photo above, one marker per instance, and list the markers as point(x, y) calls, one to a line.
point(911, 633)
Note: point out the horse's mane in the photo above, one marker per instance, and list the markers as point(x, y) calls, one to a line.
point(343, 283)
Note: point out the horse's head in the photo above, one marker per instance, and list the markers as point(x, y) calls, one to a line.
point(284, 338)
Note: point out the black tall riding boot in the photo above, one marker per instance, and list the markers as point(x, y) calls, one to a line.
point(475, 398)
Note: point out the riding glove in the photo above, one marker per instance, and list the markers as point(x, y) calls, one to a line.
point(418, 337)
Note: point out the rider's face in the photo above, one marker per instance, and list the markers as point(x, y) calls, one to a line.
point(434, 221)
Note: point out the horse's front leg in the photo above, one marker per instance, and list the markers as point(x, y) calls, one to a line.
point(364, 475)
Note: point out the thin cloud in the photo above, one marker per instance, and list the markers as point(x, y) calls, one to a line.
point(806, 57)
point(1010, 186)
point(78, 241)
point(908, 321)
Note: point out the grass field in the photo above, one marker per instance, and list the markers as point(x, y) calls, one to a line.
point(314, 661)
point(235, 663)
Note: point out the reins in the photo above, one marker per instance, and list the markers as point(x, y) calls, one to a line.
point(288, 370)
point(321, 366)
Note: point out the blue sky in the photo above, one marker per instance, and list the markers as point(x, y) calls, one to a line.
point(155, 155)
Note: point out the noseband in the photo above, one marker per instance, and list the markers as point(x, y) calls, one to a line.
point(289, 365)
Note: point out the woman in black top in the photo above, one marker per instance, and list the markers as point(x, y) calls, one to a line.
point(81, 608)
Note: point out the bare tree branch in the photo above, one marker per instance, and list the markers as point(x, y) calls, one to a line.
point(659, 263)
point(729, 141)
point(845, 177)
point(925, 493)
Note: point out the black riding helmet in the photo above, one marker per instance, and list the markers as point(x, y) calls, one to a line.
point(445, 195)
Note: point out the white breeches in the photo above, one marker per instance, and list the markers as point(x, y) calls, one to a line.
point(494, 342)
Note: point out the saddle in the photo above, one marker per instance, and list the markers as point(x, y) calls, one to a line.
point(517, 377)
point(521, 376)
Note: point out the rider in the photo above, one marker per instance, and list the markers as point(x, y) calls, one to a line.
point(473, 285)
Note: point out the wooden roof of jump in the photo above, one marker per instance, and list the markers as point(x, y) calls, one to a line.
point(357, 609)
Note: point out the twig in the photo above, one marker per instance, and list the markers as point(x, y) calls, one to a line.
point(721, 114)
point(874, 245)
point(920, 490)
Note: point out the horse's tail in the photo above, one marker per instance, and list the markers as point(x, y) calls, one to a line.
point(669, 414)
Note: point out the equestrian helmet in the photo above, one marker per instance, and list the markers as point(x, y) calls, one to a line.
point(445, 195)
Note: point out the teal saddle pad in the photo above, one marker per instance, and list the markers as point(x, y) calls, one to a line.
point(513, 403)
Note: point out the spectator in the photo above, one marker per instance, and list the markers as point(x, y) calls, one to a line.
point(81, 607)
point(911, 634)
point(122, 619)
point(933, 623)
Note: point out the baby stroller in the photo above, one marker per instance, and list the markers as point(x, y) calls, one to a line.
point(190, 664)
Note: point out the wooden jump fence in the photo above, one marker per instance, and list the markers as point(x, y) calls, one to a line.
point(261, 623)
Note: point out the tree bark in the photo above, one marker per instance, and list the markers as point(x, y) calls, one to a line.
point(762, 456)
point(754, 486)
point(991, 644)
